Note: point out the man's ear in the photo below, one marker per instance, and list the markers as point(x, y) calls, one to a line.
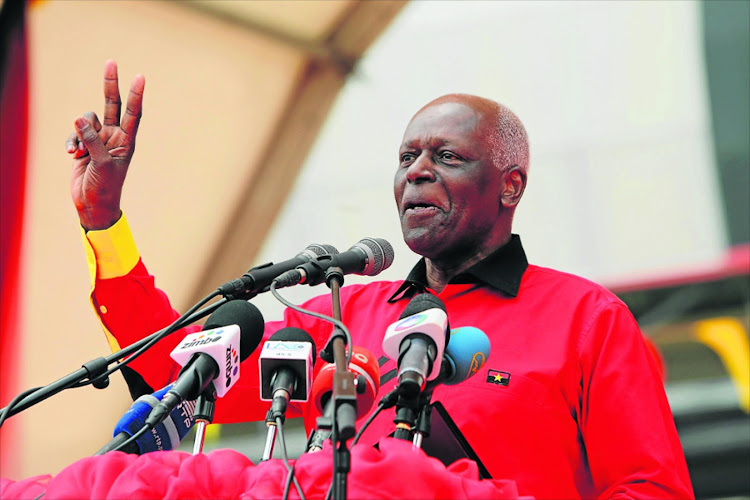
point(514, 183)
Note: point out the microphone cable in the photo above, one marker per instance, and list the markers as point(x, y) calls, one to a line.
point(290, 469)
point(349, 342)
point(314, 314)
point(176, 325)
point(13, 402)
point(132, 439)
point(388, 401)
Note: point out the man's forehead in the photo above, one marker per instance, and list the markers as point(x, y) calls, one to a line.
point(443, 118)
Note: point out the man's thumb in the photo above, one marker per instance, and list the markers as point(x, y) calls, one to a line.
point(91, 140)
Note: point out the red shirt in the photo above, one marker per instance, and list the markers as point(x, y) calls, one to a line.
point(583, 412)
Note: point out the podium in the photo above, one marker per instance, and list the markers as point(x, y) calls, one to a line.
point(395, 470)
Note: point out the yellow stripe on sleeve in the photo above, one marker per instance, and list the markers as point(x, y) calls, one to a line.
point(111, 252)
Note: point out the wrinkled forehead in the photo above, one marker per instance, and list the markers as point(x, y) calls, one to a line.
point(449, 120)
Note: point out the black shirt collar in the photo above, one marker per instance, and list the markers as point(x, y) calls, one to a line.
point(501, 270)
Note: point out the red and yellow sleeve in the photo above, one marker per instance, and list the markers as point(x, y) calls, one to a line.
point(128, 303)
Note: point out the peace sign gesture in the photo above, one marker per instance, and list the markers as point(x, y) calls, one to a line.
point(102, 153)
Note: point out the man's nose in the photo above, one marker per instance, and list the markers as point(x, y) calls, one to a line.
point(422, 170)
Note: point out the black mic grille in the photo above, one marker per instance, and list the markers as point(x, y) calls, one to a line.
point(316, 250)
point(379, 255)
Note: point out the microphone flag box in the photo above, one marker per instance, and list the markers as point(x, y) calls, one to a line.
point(432, 322)
point(223, 345)
point(290, 354)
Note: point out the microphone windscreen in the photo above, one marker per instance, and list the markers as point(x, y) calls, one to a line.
point(293, 334)
point(246, 316)
point(467, 352)
point(422, 302)
point(166, 435)
point(135, 417)
point(363, 363)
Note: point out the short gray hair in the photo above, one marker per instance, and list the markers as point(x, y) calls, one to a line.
point(509, 141)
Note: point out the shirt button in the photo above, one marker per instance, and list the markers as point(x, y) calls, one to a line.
point(103, 309)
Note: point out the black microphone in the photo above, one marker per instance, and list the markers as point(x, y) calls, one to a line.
point(286, 364)
point(259, 277)
point(368, 257)
point(416, 341)
point(206, 353)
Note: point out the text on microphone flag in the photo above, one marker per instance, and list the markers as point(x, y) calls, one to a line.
point(221, 344)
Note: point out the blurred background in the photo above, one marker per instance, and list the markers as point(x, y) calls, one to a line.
point(271, 125)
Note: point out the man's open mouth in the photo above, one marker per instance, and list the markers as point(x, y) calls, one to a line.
point(419, 207)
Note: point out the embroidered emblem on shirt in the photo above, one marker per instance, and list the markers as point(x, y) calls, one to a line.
point(497, 377)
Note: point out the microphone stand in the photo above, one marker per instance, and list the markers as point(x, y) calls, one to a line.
point(414, 414)
point(97, 367)
point(344, 393)
point(424, 421)
point(204, 415)
point(270, 435)
point(407, 410)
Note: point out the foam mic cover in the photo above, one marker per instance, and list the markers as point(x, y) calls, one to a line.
point(164, 436)
point(247, 317)
point(290, 350)
point(230, 334)
point(363, 363)
point(423, 302)
point(424, 317)
point(467, 352)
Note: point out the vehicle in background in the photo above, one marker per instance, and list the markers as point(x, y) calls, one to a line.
point(699, 322)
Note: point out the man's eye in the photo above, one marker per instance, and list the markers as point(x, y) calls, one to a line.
point(447, 155)
point(407, 157)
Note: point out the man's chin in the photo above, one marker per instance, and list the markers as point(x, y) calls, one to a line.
point(422, 241)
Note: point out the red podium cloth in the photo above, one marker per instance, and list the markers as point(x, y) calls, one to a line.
point(394, 471)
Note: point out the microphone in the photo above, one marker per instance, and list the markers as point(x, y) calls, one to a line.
point(464, 356)
point(259, 277)
point(416, 341)
point(286, 364)
point(165, 436)
point(368, 257)
point(364, 365)
point(214, 354)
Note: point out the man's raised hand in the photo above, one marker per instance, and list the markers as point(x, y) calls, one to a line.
point(102, 153)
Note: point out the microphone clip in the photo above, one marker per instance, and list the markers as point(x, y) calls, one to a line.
point(326, 354)
point(334, 273)
point(94, 371)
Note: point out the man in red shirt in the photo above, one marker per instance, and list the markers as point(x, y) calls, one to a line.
point(569, 403)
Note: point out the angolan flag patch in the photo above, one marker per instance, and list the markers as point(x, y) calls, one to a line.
point(497, 377)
